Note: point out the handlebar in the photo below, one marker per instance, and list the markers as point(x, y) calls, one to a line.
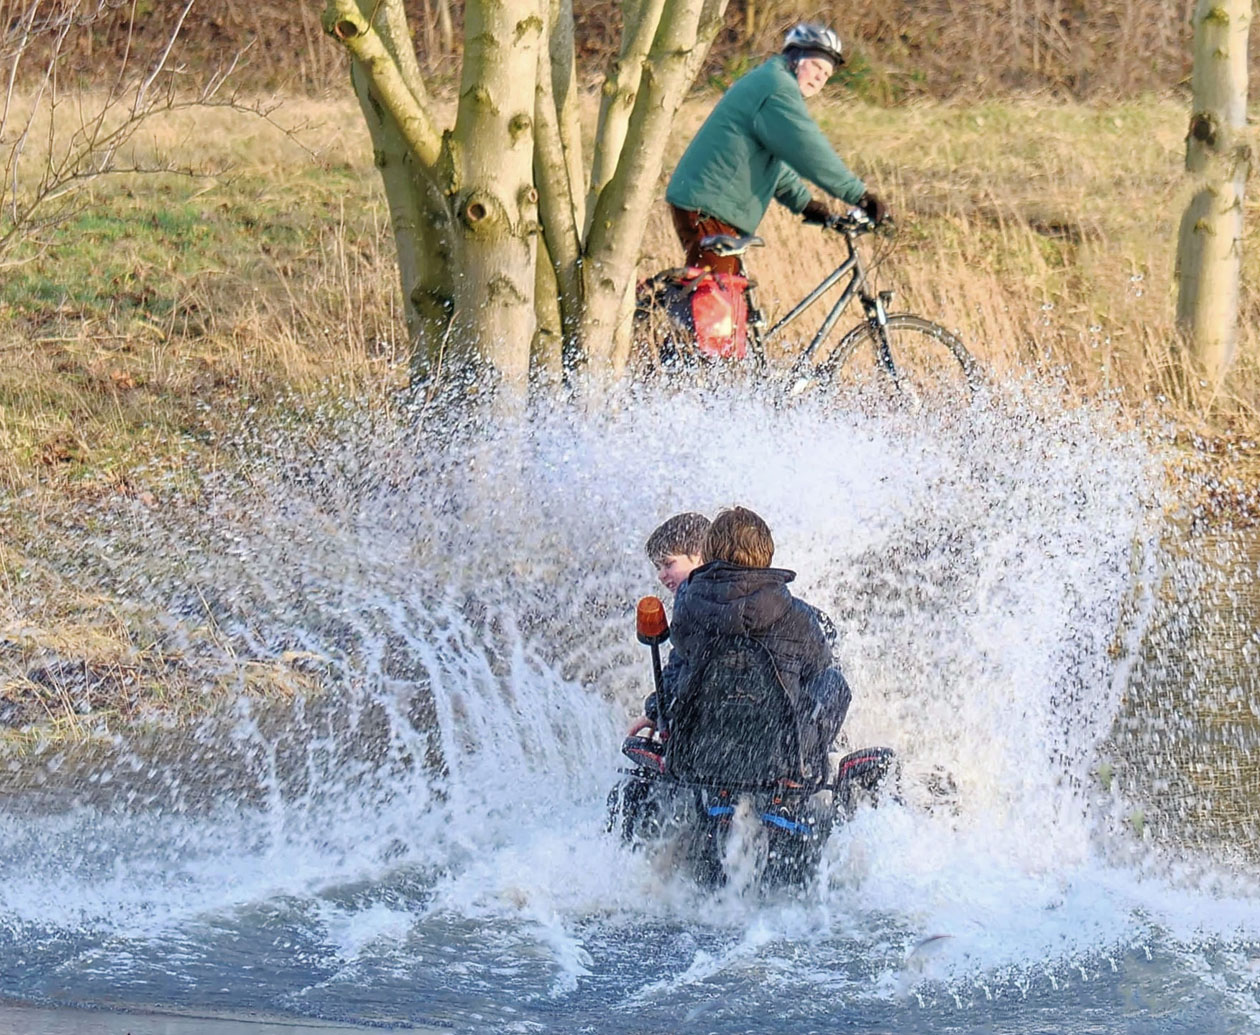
point(855, 221)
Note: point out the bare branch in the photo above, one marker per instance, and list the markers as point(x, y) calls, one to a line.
point(82, 141)
point(160, 63)
point(25, 25)
point(344, 21)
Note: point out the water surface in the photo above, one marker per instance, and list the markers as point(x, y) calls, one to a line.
point(422, 843)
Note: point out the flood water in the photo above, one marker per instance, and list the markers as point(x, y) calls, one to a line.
point(1024, 614)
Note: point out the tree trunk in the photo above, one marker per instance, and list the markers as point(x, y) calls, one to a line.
point(465, 205)
point(562, 58)
point(420, 217)
point(616, 224)
point(446, 31)
point(1209, 253)
point(617, 97)
point(490, 154)
point(558, 171)
point(406, 145)
point(547, 358)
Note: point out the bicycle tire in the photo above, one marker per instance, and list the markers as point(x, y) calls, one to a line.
point(919, 359)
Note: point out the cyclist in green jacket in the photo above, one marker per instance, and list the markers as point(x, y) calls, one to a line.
point(760, 143)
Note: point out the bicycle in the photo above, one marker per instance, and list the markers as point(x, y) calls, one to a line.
point(917, 357)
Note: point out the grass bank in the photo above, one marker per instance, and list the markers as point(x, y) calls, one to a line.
point(135, 335)
point(1044, 232)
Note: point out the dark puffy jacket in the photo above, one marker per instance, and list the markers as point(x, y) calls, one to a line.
point(721, 599)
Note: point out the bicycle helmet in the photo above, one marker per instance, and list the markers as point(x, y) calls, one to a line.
point(808, 38)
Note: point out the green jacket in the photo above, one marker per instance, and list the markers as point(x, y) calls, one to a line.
point(757, 144)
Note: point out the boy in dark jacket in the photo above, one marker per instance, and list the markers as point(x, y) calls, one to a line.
point(735, 593)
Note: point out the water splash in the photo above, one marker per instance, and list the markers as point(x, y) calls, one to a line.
point(464, 606)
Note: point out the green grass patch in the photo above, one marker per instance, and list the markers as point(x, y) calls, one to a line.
point(137, 323)
point(132, 251)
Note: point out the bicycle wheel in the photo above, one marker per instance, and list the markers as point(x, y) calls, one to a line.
point(919, 360)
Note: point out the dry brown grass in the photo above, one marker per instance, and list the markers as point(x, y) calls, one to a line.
point(898, 48)
point(77, 665)
point(1042, 231)
point(171, 298)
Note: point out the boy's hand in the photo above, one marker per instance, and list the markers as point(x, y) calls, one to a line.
point(640, 724)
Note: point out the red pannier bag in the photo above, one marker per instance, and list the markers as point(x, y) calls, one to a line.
point(719, 311)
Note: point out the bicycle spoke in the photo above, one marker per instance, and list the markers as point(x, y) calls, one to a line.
point(914, 358)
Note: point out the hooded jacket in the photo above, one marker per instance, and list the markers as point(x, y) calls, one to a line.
point(722, 599)
point(759, 143)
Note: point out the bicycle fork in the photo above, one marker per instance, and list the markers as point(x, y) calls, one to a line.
point(876, 308)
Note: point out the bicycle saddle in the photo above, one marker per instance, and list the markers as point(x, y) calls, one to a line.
point(725, 244)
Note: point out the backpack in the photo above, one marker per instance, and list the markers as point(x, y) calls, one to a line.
point(693, 312)
point(733, 722)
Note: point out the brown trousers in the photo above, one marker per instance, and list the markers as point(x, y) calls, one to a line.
point(692, 227)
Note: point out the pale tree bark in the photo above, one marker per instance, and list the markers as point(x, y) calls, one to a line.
point(562, 59)
point(547, 356)
point(446, 30)
point(1209, 254)
point(612, 247)
point(712, 18)
point(467, 202)
point(462, 202)
point(559, 173)
point(419, 219)
point(619, 91)
point(491, 152)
